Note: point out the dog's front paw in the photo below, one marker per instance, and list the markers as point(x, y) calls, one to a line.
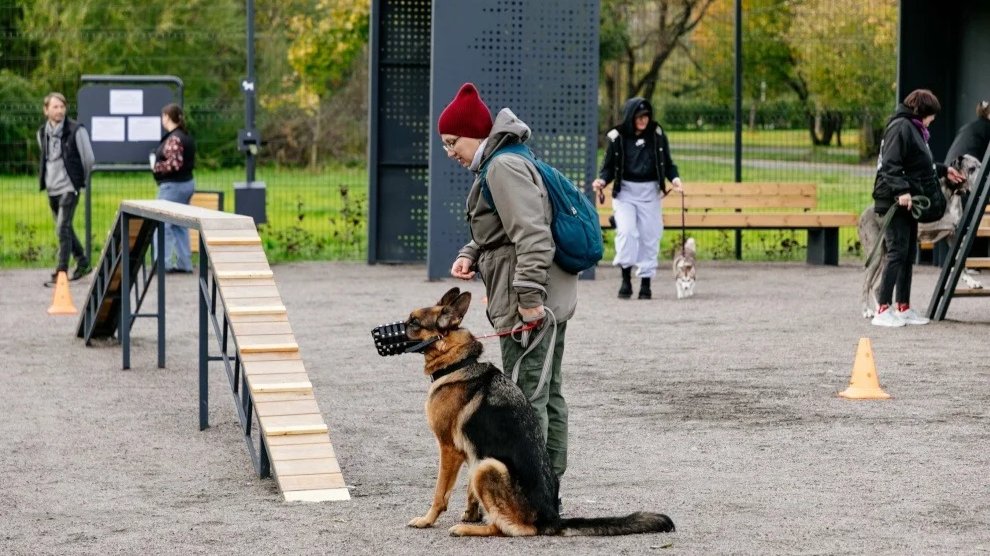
point(459, 530)
point(422, 522)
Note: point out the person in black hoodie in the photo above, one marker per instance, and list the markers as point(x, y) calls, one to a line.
point(904, 163)
point(974, 137)
point(172, 164)
point(638, 161)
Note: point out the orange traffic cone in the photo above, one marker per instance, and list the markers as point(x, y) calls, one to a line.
point(62, 302)
point(864, 384)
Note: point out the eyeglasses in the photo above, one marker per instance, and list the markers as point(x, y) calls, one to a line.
point(449, 144)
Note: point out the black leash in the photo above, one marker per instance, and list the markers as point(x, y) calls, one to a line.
point(918, 204)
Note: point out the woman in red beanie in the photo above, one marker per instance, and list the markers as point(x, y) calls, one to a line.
point(512, 248)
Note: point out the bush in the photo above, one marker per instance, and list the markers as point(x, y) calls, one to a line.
point(20, 116)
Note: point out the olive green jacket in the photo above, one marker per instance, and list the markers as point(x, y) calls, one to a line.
point(512, 246)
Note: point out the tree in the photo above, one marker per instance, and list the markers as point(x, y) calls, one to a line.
point(651, 30)
point(846, 50)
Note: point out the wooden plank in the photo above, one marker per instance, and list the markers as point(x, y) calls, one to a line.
point(967, 292)
point(325, 495)
point(978, 262)
point(259, 310)
point(238, 282)
point(236, 233)
point(276, 383)
point(311, 482)
point(232, 248)
point(233, 274)
point(282, 396)
point(271, 356)
point(302, 451)
point(273, 367)
point(770, 220)
point(241, 292)
point(284, 430)
point(256, 328)
point(271, 409)
point(256, 255)
point(297, 439)
point(265, 347)
point(262, 317)
point(233, 240)
point(305, 466)
point(225, 267)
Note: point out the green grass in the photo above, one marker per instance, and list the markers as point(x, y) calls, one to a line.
point(311, 216)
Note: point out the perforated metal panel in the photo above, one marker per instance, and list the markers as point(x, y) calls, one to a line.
point(400, 122)
point(538, 58)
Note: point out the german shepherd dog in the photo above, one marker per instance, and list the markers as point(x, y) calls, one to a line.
point(945, 227)
point(481, 418)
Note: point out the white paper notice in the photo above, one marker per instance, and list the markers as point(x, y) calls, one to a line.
point(144, 128)
point(107, 129)
point(126, 101)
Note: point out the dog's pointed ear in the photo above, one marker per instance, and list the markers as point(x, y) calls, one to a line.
point(449, 297)
point(453, 313)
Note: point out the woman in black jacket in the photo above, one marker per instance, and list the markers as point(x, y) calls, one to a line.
point(637, 161)
point(974, 137)
point(905, 162)
point(172, 165)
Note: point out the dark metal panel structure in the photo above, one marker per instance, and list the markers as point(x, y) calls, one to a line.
point(538, 58)
point(399, 126)
point(943, 47)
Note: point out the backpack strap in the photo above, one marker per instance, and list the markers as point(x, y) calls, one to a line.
point(515, 148)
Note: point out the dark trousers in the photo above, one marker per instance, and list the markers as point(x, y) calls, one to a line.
point(901, 239)
point(63, 209)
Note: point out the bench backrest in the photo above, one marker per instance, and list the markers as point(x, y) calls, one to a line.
point(707, 196)
point(212, 200)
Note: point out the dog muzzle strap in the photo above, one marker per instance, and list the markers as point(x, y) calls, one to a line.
point(391, 339)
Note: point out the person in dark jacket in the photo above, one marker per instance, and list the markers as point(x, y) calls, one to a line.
point(904, 163)
point(172, 164)
point(974, 137)
point(66, 163)
point(637, 161)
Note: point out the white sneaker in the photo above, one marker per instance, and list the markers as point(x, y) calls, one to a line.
point(911, 317)
point(887, 318)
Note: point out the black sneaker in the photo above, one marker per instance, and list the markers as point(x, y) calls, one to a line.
point(81, 270)
point(51, 283)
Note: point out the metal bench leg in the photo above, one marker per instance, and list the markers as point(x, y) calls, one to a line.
point(823, 246)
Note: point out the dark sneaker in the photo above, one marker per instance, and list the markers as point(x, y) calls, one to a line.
point(177, 271)
point(54, 279)
point(81, 270)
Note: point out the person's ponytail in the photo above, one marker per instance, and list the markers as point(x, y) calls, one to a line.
point(174, 113)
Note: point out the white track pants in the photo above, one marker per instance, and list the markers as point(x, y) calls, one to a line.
point(638, 227)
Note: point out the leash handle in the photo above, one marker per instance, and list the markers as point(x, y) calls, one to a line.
point(918, 204)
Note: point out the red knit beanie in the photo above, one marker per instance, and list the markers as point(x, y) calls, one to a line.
point(466, 115)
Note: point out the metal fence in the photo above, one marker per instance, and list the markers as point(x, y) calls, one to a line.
point(313, 162)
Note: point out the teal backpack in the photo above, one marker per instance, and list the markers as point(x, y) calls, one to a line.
point(577, 234)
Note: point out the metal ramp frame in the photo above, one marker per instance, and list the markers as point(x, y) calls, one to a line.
point(957, 258)
point(280, 419)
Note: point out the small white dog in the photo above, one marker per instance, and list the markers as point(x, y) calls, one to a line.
point(684, 271)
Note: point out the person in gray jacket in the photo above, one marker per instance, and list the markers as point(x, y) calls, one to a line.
point(66, 163)
point(512, 249)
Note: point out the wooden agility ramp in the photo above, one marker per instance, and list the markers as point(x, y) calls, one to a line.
point(265, 363)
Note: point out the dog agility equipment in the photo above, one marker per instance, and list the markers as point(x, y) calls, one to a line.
point(864, 383)
point(576, 233)
point(280, 420)
point(62, 300)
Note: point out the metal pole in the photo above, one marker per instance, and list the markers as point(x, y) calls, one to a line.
point(89, 220)
point(738, 114)
point(160, 271)
point(204, 354)
point(249, 90)
point(124, 327)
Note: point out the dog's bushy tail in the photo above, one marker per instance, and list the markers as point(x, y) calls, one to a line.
point(632, 524)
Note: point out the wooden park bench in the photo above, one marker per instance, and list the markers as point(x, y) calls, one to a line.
point(210, 200)
point(774, 206)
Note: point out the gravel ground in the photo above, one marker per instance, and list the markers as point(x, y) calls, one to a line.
point(719, 410)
